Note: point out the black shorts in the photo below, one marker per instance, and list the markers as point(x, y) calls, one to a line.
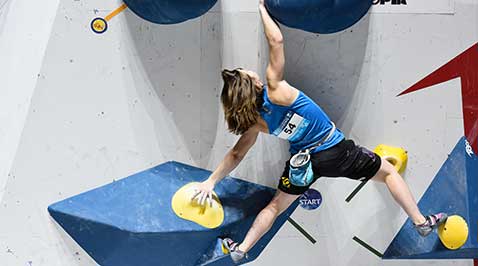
point(342, 160)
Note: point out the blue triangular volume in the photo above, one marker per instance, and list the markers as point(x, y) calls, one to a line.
point(131, 222)
point(454, 191)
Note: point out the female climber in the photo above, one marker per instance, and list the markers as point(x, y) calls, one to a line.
point(319, 148)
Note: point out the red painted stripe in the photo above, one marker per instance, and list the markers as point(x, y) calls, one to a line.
point(475, 262)
point(463, 66)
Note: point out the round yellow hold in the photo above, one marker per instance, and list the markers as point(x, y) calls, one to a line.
point(99, 25)
point(205, 215)
point(398, 157)
point(454, 232)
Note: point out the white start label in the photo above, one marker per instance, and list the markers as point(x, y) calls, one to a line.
point(292, 127)
point(468, 148)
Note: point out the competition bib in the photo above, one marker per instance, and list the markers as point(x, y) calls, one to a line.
point(292, 127)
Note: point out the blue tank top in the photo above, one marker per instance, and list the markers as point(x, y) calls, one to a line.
point(303, 123)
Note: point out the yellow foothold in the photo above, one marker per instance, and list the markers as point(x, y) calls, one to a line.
point(205, 215)
point(454, 232)
point(398, 157)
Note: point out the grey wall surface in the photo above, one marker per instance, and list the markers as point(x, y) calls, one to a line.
point(107, 106)
point(22, 49)
point(355, 76)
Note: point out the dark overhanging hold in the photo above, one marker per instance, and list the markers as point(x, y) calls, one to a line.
point(169, 11)
point(318, 16)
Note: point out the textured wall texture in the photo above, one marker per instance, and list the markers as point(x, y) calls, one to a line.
point(88, 109)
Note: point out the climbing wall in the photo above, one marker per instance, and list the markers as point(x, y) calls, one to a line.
point(81, 109)
point(357, 75)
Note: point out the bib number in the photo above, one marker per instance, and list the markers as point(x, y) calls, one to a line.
point(292, 127)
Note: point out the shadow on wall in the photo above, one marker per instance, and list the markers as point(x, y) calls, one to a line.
point(327, 67)
point(182, 63)
point(4, 7)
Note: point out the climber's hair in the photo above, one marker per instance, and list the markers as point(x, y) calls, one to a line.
point(241, 101)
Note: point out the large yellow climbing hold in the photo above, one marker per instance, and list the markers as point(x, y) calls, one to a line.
point(205, 215)
point(454, 232)
point(398, 157)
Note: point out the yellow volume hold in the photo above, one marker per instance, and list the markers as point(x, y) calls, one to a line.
point(204, 215)
point(398, 157)
point(454, 232)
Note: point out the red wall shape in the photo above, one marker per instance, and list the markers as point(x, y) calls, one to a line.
point(464, 66)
